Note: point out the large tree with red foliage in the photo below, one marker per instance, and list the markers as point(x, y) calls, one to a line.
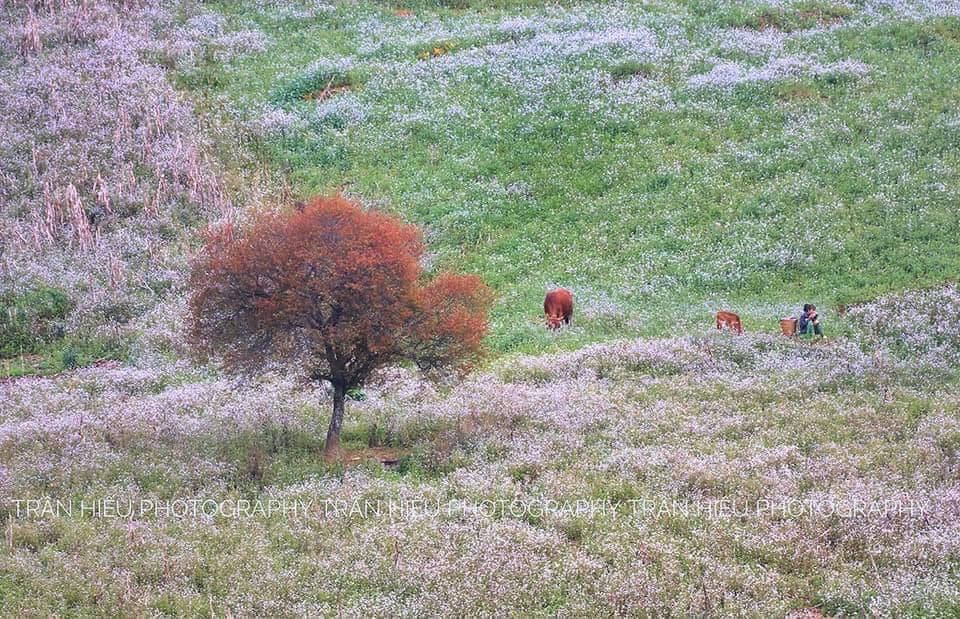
point(338, 291)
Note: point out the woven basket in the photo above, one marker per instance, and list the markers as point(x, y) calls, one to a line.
point(788, 326)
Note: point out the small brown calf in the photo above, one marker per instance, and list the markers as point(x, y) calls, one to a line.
point(729, 320)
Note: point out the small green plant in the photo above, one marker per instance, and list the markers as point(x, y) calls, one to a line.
point(316, 84)
point(30, 319)
point(70, 357)
point(575, 530)
point(206, 73)
point(632, 68)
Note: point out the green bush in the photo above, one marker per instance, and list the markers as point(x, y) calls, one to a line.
point(30, 319)
point(62, 354)
point(314, 81)
point(631, 68)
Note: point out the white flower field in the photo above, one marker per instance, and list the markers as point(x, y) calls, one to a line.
point(662, 160)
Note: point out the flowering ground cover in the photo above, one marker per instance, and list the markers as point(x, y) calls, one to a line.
point(104, 175)
point(708, 474)
point(661, 159)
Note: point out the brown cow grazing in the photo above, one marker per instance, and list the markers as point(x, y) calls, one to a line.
point(729, 320)
point(558, 307)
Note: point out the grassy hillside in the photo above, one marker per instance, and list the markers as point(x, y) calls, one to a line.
point(662, 159)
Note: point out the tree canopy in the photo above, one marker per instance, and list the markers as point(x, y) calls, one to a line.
point(338, 291)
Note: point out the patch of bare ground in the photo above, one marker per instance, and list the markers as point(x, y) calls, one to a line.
point(789, 21)
point(351, 457)
point(325, 93)
point(798, 92)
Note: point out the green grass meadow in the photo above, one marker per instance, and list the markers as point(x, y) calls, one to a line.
point(755, 197)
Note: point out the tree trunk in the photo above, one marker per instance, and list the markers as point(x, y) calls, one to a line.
point(331, 448)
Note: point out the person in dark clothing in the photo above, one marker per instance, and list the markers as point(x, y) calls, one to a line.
point(809, 322)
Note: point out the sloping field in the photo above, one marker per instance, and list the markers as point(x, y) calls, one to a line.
point(661, 159)
point(704, 475)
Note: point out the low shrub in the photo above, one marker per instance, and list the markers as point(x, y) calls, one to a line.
point(317, 81)
point(32, 318)
point(632, 68)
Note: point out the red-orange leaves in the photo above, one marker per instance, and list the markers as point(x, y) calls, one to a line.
point(452, 321)
point(335, 288)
